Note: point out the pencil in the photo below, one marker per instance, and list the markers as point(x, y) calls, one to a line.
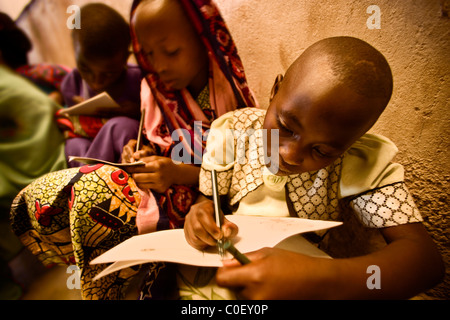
point(216, 200)
point(242, 258)
point(141, 126)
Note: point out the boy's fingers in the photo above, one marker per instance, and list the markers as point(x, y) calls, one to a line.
point(206, 239)
point(202, 229)
point(194, 240)
point(209, 225)
point(235, 275)
point(252, 256)
point(199, 237)
point(229, 229)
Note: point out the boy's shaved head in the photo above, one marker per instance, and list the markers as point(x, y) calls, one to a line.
point(358, 65)
point(331, 96)
point(349, 62)
point(104, 32)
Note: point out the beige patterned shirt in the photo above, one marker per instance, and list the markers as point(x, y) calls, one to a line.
point(364, 175)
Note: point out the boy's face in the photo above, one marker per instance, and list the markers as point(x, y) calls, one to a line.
point(174, 51)
point(99, 73)
point(316, 123)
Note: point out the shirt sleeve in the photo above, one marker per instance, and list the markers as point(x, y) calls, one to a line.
point(375, 185)
point(368, 165)
point(388, 206)
point(219, 155)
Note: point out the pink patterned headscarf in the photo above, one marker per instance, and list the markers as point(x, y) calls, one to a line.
point(227, 83)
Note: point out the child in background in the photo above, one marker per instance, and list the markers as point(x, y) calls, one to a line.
point(102, 49)
point(15, 46)
point(31, 145)
point(192, 75)
point(330, 97)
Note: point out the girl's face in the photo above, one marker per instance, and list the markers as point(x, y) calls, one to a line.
point(174, 50)
point(313, 123)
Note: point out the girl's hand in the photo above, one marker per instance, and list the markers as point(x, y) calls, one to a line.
point(158, 174)
point(200, 228)
point(129, 154)
point(128, 151)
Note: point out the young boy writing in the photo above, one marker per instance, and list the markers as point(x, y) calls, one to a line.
point(330, 97)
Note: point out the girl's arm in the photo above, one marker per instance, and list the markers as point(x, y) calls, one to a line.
point(408, 265)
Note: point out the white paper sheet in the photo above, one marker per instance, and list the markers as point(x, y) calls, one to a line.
point(87, 160)
point(171, 246)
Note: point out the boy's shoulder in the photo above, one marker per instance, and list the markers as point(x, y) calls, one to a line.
point(249, 112)
point(248, 118)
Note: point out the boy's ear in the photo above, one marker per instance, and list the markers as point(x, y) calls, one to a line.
point(276, 86)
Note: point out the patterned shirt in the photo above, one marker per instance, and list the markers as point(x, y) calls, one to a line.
point(363, 176)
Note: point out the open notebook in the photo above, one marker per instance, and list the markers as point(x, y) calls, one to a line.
point(92, 106)
point(171, 246)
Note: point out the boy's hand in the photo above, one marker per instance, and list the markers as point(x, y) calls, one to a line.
point(200, 228)
point(306, 277)
point(298, 275)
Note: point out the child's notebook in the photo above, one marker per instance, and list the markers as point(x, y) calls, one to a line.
point(171, 246)
point(92, 106)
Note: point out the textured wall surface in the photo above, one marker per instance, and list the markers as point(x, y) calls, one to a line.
point(414, 35)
